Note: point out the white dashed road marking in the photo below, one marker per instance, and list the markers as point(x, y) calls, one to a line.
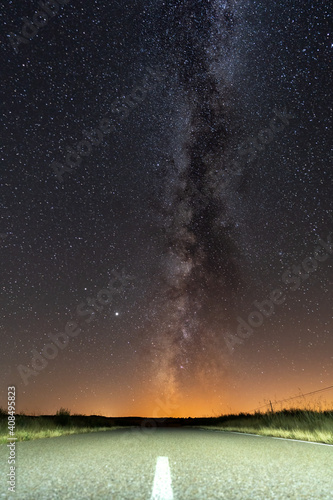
point(162, 489)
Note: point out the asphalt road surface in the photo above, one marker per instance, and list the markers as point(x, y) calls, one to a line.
point(168, 464)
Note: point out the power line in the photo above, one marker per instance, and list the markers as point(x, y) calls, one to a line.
point(295, 397)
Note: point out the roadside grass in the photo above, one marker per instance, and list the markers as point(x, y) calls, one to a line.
point(305, 425)
point(300, 424)
point(32, 427)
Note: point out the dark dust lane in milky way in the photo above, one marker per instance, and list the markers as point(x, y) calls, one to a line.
point(201, 258)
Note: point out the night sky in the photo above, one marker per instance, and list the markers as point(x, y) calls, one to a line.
point(166, 224)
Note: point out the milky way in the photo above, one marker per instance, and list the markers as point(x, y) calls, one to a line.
point(213, 182)
point(201, 271)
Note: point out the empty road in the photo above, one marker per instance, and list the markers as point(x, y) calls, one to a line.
point(169, 464)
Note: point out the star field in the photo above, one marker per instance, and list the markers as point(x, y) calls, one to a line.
point(166, 165)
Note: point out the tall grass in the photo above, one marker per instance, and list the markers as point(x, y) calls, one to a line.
point(307, 425)
point(294, 423)
point(32, 427)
